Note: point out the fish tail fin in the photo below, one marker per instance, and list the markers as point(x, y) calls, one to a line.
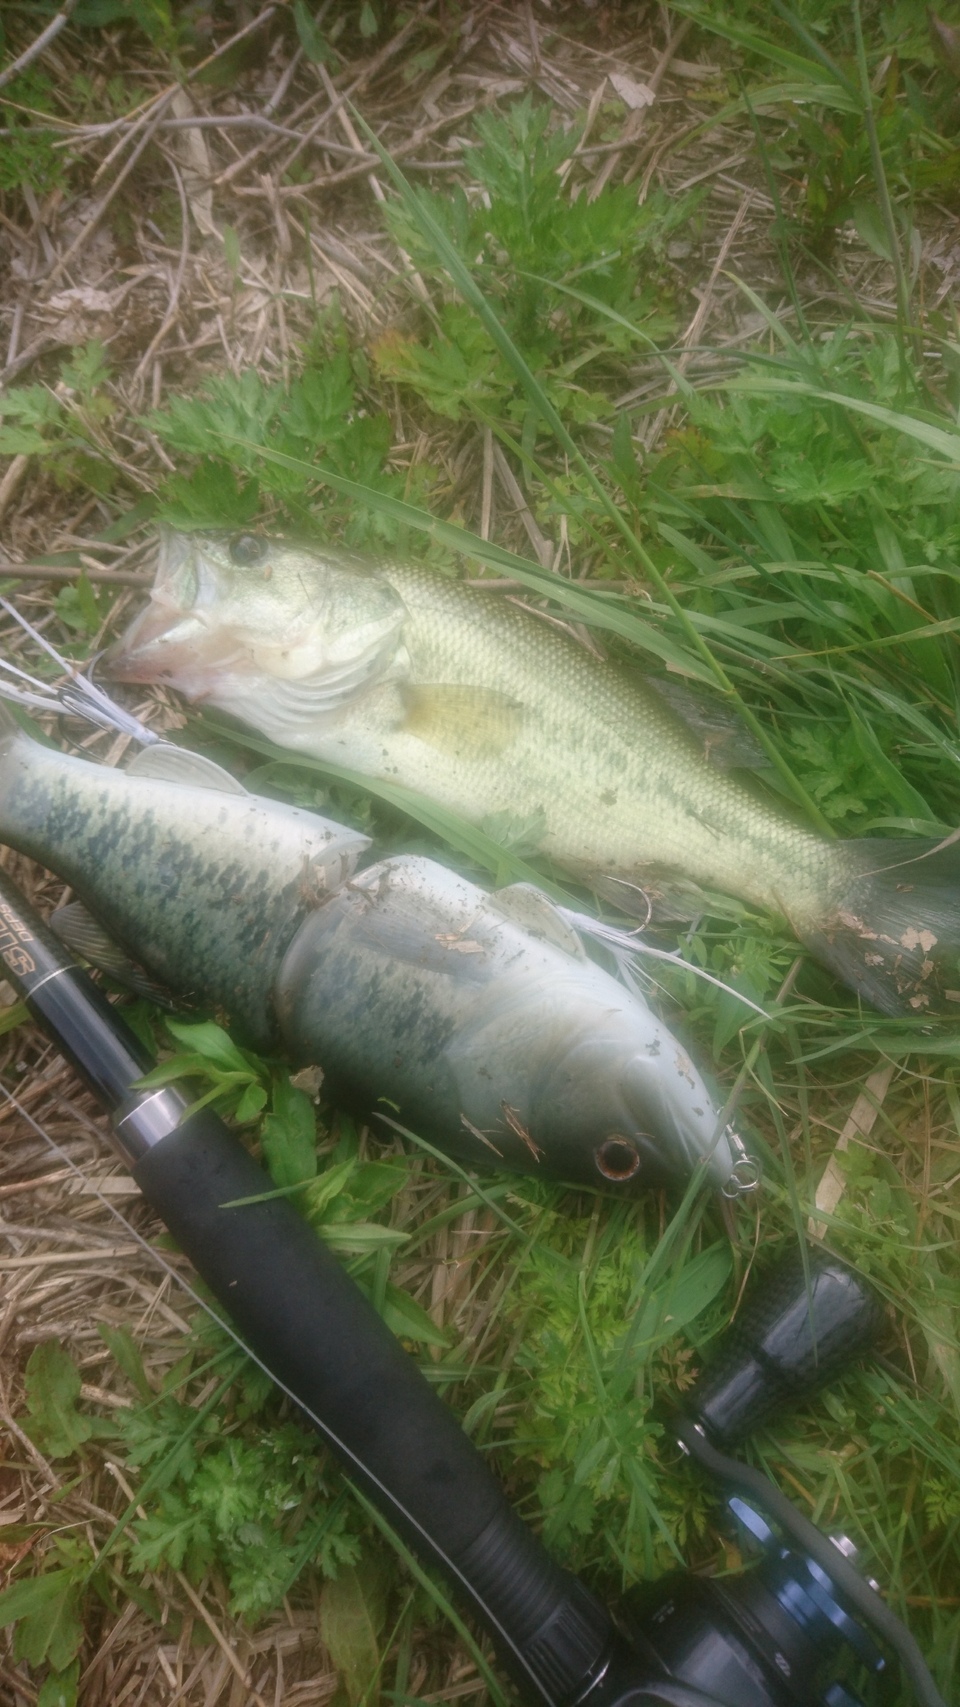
point(894, 934)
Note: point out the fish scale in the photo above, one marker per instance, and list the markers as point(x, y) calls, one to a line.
point(404, 674)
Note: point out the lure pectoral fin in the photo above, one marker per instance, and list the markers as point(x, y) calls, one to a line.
point(79, 931)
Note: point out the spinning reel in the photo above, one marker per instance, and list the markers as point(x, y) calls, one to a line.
point(775, 1635)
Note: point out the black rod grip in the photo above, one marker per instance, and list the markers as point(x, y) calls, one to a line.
point(299, 1311)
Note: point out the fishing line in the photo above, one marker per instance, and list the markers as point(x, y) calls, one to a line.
point(78, 697)
point(622, 944)
point(326, 1433)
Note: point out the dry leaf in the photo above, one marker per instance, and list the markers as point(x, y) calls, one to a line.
point(634, 95)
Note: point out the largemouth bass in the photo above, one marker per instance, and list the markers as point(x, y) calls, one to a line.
point(476, 1016)
point(397, 672)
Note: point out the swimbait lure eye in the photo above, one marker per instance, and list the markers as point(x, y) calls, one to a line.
point(247, 550)
point(617, 1157)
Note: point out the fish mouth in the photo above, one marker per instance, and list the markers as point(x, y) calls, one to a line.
point(162, 642)
point(175, 553)
point(159, 643)
point(302, 657)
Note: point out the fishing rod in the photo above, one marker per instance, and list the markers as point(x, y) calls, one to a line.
point(761, 1640)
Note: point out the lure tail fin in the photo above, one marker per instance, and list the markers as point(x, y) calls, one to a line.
point(894, 935)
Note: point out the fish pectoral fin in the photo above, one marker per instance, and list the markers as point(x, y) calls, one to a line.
point(167, 763)
point(84, 935)
point(526, 905)
point(467, 722)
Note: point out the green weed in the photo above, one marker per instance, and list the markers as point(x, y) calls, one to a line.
point(320, 421)
point(522, 224)
point(28, 156)
point(801, 65)
point(65, 425)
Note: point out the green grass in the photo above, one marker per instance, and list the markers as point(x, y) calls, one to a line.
point(797, 534)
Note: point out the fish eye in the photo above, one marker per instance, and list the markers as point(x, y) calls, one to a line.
point(247, 549)
point(617, 1157)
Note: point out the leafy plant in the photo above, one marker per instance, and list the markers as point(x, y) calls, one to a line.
point(79, 608)
point(320, 420)
point(46, 1612)
point(235, 1076)
point(289, 1135)
point(28, 157)
point(352, 1617)
point(520, 233)
point(64, 425)
point(801, 63)
point(54, 1420)
point(238, 1504)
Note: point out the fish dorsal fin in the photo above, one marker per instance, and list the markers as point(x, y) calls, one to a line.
point(167, 763)
point(724, 738)
point(84, 935)
point(464, 721)
point(525, 905)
